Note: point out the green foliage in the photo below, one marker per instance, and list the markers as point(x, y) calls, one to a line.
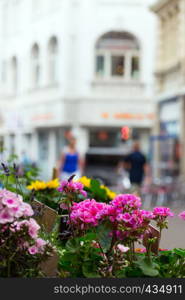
point(15, 261)
point(18, 176)
point(103, 236)
point(148, 268)
point(97, 191)
point(168, 264)
point(172, 263)
point(49, 197)
point(79, 259)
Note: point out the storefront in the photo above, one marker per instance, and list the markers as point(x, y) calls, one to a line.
point(168, 139)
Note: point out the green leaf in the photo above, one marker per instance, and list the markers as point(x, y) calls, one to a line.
point(90, 236)
point(95, 184)
point(103, 236)
point(133, 272)
point(179, 251)
point(73, 245)
point(148, 268)
point(90, 271)
point(121, 273)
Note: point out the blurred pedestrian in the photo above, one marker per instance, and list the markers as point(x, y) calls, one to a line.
point(136, 164)
point(70, 162)
point(123, 181)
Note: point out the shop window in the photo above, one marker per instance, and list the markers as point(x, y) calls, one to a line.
point(104, 138)
point(117, 65)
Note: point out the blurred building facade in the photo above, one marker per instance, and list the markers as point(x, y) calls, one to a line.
point(170, 87)
point(75, 64)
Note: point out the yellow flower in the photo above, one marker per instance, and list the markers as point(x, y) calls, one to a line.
point(37, 185)
point(41, 185)
point(53, 184)
point(85, 181)
point(110, 193)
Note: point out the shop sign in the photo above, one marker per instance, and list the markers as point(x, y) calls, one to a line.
point(128, 116)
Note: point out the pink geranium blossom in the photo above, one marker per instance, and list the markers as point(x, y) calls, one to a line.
point(10, 202)
point(33, 228)
point(123, 212)
point(33, 250)
point(15, 219)
point(5, 216)
point(122, 248)
point(182, 215)
point(162, 212)
point(27, 210)
point(88, 213)
point(126, 201)
point(31, 225)
point(72, 187)
point(40, 243)
point(12, 207)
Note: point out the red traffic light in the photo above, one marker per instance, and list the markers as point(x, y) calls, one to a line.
point(125, 133)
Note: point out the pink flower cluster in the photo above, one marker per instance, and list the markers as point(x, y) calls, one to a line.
point(30, 224)
point(127, 202)
point(182, 215)
point(12, 207)
point(123, 210)
point(135, 218)
point(72, 187)
point(162, 212)
point(13, 212)
point(37, 244)
point(88, 213)
point(124, 213)
point(133, 224)
point(38, 247)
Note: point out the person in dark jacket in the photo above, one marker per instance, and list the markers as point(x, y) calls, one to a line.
point(136, 164)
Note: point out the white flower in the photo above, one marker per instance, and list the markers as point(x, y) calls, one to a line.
point(122, 248)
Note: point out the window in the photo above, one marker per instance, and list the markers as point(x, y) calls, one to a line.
point(53, 60)
point(135, 67)
point(117, 66)
point(100, 67)
point(104, 138)
point(117, 56)
point(35, 66)
point(14, 74)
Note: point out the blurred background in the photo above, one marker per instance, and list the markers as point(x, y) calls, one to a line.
point(108, 73)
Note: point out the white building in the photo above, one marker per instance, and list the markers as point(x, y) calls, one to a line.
point(80, 64)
